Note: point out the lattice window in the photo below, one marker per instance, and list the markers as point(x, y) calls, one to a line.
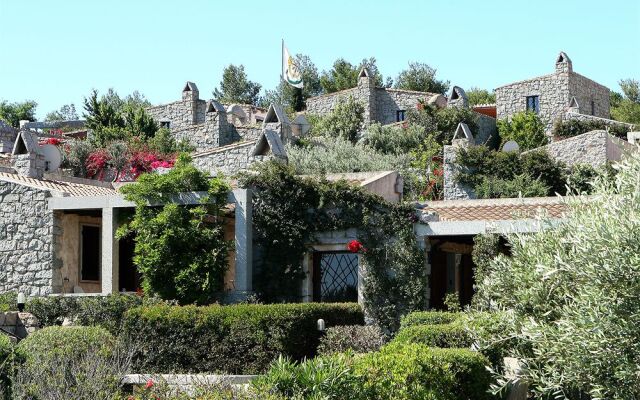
point(337, 277)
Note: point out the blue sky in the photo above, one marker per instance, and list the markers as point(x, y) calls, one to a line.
point(55, 52)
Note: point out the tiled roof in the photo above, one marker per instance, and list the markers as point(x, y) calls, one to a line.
point(497, 209)
point(64, 188)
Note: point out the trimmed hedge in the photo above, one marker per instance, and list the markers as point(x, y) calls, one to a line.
point(415, 371)
point(239, 339)
point(428, 318)
point(443, 335)
point(575, 127)
point(357, 338)
point(104, 311)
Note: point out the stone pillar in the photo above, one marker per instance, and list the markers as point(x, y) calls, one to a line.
point(452, 189)
point(109, 268)
point(244, 243)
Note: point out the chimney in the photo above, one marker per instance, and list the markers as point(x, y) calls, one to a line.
point(27, 158)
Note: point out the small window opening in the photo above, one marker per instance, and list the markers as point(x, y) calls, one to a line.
point(533, 104)
point(400, 115)
point(90, 253)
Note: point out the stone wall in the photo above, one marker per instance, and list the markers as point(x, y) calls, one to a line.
point(325, 103)
point(553, 91)
point(227, 160)
point(181, 114)
point(214, 131)
point(452, 189)
point(487, 131)
point(249, 132)
point(389, 101)
point(19, 324)
point(594, 148)
point(586, 118)
point(586, 91)
point(28, 231)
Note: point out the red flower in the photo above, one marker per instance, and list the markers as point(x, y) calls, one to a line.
point(53, 141)
point(149, 384)
point(437, 172)
point(420, 106)
point(355, 247)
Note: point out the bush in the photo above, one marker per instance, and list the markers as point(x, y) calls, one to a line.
point(574, 127)
point(233, 339)
point(356, 338)
point(428, 318)
point(393, 139)
point(344, 121)
point(104, 311)
point(443, 335)
point(525, 128)
point(68, 363)
point(415, 371)
point(6, 361)
point(8, 301)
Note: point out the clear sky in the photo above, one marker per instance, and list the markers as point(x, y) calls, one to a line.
point(55, 52)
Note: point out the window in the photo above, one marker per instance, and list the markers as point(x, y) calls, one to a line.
point(533, 104)
point(335, 276)
point(400, 115)
point(165, 124)
point(90, 253)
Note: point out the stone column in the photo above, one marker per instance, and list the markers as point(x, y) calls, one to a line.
point(244, 243)
point(109, 268)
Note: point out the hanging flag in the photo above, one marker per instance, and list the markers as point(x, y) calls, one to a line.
point(290, 71)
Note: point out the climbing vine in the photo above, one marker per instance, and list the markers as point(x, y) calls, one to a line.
point(289, 210)
point(179, 250)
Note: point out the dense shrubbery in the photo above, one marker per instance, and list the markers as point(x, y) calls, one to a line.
point(394, 139)
point(428, 318)
point(441, 123)
point(104, 311)
point(399, 372)
point(356, 338)
point(440, 335)
point(344, 121)
point(232, 339)
point(574, 127)
point(572, 292)
point(68, 363)
point(498, 174)
point(525, 128)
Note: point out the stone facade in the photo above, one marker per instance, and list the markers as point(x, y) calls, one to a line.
point(8, 136)
point(380, 104)
point(487, 133)
point(594, 148)
point(28, 231)
point(227, 160)
point(452, 189)
point(18, 324)
point(555, 93)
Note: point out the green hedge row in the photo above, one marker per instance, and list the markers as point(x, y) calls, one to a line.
point(443, 335)
point(428, 318)
point(239, 339)
point(397, 371)
point(575, 127)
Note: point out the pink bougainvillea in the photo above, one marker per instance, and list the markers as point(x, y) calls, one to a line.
point(51, 140)
point(355, 246)
point(96, 163)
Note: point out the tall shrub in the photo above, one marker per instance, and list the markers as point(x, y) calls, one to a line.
point(525, 128)
point(344, 121)
point(573, 292)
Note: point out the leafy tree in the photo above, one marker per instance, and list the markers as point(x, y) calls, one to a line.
point(294, 98)
point(139, 123)
point(627, 108)
point(344, 121)
point(442, 123)
point(236, 88)
point(13, 113)
point(480, 96)
point(525, 128)
point(180, 250)
point(101, 113)
point(66, 113)
point(571, 296)
point(420, 77)
point(164, 143)
point(344, 75)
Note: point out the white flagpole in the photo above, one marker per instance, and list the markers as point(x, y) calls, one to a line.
point(282, 60)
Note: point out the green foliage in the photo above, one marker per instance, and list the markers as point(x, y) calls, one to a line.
point(442, 123)
point(420, 77)
point(452, 335)
point(480, 96)
point(525, 128)
point(428, 318)
point(627, 108)
point(344, 75)
point(67, 363)
point(574, 127)
point(103, 311)
point(235, 87)
point(66, 113)
point(486, 247)
point(13, 113)
point(344, 121)
point(241, 339)
point(164, 143)
point(8, 301)
point(7, 349)
point(180, 251)
point(355, 338)
point(397, 139)
point(573, 294)
point(582, 177)
point(293, 99)
point(452, 302)
point(415, 371)
point(395, 280)
point(494, 174)
point(138, 123)
point(328, 377)
point(77, 155)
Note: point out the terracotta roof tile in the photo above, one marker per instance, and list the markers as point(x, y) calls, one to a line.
point(65, 188)
point(497, 209)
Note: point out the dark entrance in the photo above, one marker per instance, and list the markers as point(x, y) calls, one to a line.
point(335, 276)
point(452, 269)
point(129, 276)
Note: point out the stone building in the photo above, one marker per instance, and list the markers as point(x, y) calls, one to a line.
point(551, 96)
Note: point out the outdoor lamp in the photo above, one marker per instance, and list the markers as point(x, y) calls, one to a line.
point(321, 326)
point(21, 301)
